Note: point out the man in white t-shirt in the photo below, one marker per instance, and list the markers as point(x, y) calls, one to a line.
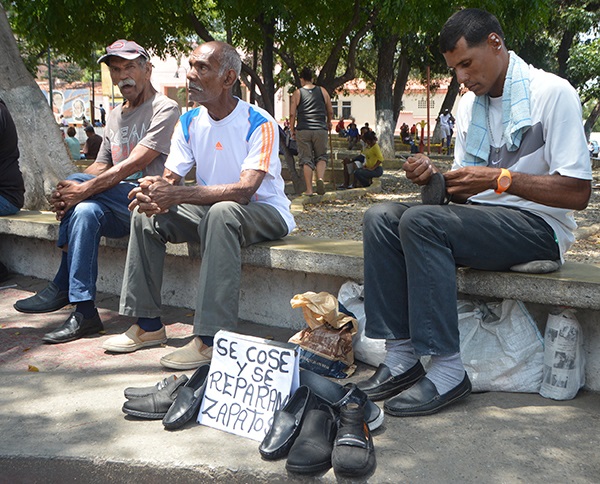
point(514, 186)
point(239, 200)
point(446, 121)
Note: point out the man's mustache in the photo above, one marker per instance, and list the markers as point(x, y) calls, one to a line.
point(126, 82)
point(193, 85)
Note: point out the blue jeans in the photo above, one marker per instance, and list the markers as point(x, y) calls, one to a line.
point(7, 208)
point(365, 177)
point(410, 256)
point(104, 214)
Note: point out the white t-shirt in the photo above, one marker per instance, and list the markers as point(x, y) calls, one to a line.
point(555, 143)
point(247, 139)
point(445, 124)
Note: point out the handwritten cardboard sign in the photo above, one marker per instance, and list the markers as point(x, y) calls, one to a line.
point(249, 379)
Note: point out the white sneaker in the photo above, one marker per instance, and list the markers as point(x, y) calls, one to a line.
point(134, 339)
point(189, 357)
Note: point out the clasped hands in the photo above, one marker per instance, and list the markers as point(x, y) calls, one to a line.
point(67, 194)
point(152, 196)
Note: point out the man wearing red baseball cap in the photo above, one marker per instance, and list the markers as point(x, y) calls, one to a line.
point(89, 205)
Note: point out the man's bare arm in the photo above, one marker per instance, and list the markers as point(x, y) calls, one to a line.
point(551, 190)
point(69, 193)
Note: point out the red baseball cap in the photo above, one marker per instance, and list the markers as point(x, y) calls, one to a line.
point(127, 49)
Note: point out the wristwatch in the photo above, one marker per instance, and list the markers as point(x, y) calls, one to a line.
point(503, 181)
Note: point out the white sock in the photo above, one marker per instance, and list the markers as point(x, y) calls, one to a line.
point(446, 372)
point(400, 355)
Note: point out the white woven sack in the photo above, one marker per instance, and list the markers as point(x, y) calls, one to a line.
point(501, 346)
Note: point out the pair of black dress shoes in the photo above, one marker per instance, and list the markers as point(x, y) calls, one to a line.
point(175, 400)
point(316, 434)
point(411, 394)
point(50, 299)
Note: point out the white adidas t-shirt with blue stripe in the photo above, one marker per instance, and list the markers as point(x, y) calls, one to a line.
point(247, 139)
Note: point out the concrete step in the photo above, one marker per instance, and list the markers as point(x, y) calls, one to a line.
point(63, 423)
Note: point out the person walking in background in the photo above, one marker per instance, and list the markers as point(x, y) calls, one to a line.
point(446, 121)
point(102, 115)
point(311, 113)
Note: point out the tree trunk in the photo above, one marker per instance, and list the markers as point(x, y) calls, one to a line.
point(591, 120)
point(44, 157)
point(400, 86)
point(563, 52)
point(384, 105)
point(268, 97)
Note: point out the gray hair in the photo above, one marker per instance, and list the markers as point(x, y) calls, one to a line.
point(229, 60)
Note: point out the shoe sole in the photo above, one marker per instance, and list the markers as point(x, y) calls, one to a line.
point(174, 365)
point(131, 349)
point(431, 411)
point(308, 469)
point(376, 423)
point(147, 415)
point(74, 338)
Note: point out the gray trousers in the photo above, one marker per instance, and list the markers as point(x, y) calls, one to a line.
point(222, 230)
point(410, 256)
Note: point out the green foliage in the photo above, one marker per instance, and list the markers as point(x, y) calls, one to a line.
point(327, 35)
point(77, 30)
point(584, 68)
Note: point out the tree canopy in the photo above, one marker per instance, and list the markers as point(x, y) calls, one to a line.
point(379, 40)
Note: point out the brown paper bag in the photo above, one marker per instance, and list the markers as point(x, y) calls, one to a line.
point(326, 345)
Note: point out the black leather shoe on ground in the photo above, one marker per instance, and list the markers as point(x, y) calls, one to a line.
point(423, 399)
point(286, 424)
point(353, 451)
point(47, 300)
point(188, 400)
point(73, 328)
point(156, 405)
point(311, 452)
point(337, 396)
point(140, 392)
point(383, 385)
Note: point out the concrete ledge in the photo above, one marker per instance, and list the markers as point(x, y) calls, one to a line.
point(576, 285)
point(273, 272)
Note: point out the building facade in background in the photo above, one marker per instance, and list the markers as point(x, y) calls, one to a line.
point(356, 100)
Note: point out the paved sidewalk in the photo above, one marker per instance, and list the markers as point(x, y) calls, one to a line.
point(64, 423)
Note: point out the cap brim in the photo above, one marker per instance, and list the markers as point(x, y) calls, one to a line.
point(127, 56)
